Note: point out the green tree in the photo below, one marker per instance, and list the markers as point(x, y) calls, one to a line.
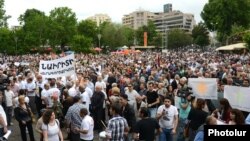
point(35, 27)
point(200, 35)
point(151, 33)
point(87, 28)
point(157, 41)
point(6, 41)
point(246, 39)
point(81, 43)
point(108, 38)
point(63, 24)
point(116, 35)
point(221, 15)
point(236, 34)
point(127, 35)
point(178, 38)
point(3, 17)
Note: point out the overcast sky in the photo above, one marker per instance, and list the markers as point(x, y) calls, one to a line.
point(114, 8)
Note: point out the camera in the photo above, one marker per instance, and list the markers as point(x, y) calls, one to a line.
point(184, 92)
point(3, 84)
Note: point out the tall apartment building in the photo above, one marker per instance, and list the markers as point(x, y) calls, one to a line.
point(138, 18)
point(167, 8)
point(100, 18)
point(174, 19)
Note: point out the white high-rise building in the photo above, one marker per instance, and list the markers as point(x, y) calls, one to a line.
point(174, 20)
point(100, 18)
point(138, 18)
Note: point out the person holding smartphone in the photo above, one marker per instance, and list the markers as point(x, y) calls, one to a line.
point(167, 115)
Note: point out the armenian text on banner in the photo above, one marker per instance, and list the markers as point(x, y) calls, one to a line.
point(238, 97)
point(205, 88)
point(64, 66)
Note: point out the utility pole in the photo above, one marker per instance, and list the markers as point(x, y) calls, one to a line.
point(166, 34)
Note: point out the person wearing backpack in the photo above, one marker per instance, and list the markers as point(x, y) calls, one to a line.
point(51, 128)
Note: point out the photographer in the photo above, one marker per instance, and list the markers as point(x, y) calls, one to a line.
point(185, 107)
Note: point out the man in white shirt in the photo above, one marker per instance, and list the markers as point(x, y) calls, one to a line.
point(167, 115)
point(132, 96)
point(45, 95)
point(53, 92)
point(31, 89)
point(87, 126)
point(71, 89)
point(9, 96)
point(101, 83)
point(84, 96)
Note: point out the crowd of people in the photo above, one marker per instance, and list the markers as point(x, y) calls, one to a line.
point(128, 97)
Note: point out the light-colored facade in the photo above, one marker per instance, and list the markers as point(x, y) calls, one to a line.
point(174, 20)
point(100, 18)
point(138, 18)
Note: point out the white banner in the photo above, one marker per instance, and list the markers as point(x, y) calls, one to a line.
point(205, 88)
point(238, 97)
point(64, 66)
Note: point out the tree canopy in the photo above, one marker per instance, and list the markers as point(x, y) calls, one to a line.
point(200, 35)
point(3, 16)
point(221, 15)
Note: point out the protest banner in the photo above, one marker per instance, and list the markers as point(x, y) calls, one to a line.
point(238, 97)
point(64, 66)
point(205, 88)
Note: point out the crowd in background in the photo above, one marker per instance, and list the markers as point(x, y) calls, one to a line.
point(131, 97)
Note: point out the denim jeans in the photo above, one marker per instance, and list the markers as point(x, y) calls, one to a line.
point(180, 129)
point(152, 112)
point(166, 135)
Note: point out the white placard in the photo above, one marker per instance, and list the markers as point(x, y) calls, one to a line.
point(64, 66)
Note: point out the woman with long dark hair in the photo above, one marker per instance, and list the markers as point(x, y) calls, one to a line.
point(224, 112)
point(51, 128)
point(236, 117)
point(197, 117)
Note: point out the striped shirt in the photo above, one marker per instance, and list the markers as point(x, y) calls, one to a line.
point(117, 126)
point(73, 115)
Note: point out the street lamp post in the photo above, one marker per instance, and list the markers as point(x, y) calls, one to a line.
point(166, 34)
point(99, 39)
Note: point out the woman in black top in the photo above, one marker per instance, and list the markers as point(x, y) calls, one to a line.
point(197, 117)
point(23, 116)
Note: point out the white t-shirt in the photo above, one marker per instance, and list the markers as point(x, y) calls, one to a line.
point(45, 94)
point(30, 89)
point(90, 93)
point(26, 99)
point(22, 84)
point(85, 98)
point(167, 120)
point(52, 130)
point(102, 84)
point(53, 91)
point(2, 113)
point(87, 124)
point(72, 92)
point(9, 95)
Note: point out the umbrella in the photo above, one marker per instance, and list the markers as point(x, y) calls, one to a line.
point(97, 49)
